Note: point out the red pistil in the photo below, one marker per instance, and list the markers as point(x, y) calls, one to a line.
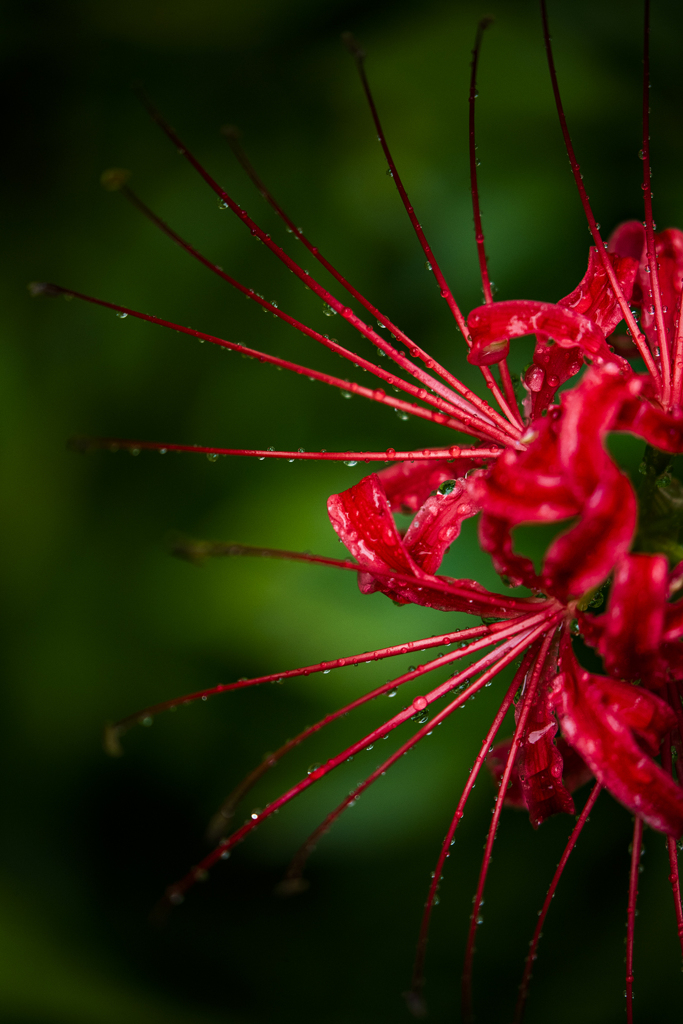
point(638, 338)
point(446, 293)
point(390, 455)
point(636, 850)
point(662, 338)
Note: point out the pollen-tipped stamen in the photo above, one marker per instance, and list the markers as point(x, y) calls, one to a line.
point(543, 913)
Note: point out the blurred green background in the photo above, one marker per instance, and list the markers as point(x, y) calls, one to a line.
point(98, 620)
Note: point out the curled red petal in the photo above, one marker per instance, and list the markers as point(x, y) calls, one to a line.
point(407, 485)
point(575, 771)
point(628, 239)
point(552, 366)
point(495, 538)
point(594, 296)
point(588, 413)
point(492, 325)
point(362, 519)
point(437, 524)
point(584, 556)
point(660, 429)
point(527, 486)
point(539, 762)
point(673, 621)
point(634, 618)
point(608, 722)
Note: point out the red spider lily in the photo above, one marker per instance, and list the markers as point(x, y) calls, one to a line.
point(545, 464)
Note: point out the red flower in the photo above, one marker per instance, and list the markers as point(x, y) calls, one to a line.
point(545, 464)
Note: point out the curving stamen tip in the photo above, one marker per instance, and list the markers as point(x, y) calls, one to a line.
point(82, 445)
point(415, 1003)
point(114, 179)
point(195, 551)
point(231, 132)
point(353, 46)
point(51, 291)
point(111, 740)
point(291, 887)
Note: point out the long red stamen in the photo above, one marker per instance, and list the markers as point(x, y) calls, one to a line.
point(639, 339)
point(636, 850)
point(175, 892)
point(543, 912)
point(662, 339)
point(502, 603)
point(390, 455)
point(672, 850)
point(677, 358)
point(476, 211)
point(498, 659)
point(446, 293)
point(345, 311)
point(220, 820)
point(117, 729)
point(415, 997)
point(414, 349)
point(376, 395)
point(451, 403)
point(527, 700)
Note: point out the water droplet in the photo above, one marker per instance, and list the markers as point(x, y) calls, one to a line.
point(534, 377)
point(448, 486)
point(420, 703)
point(313, 767)
point(390, 173)
point(328, 311)
point(147, 721)
point(212, 456)
point(346, 394)
point(351, 462)
point(122, 316)
point(222, 205)
point(553, 380)
point(428, 265)
point(134, 451)
point(392, 693)
point(391, 453)
point(255, 813)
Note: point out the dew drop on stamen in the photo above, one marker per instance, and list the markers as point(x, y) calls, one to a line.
point(351, 462)
point(212, 457)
